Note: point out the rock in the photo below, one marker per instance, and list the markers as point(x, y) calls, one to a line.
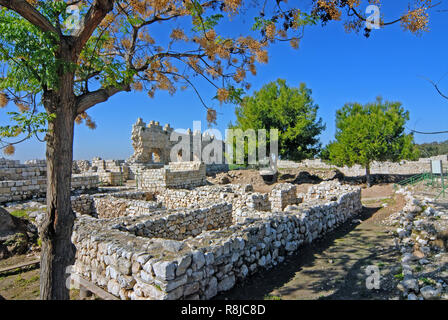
point(291, 207)
point(412, 296)
point(8, 224)
point(410, 283)
point(172, 245)
point(429, 293)
point(198, 260)
point(16, 234)
point(182, 264)
point(212, 288)
point(227, 283)
point(164, 270)
point(244, 271)
point(224, 179)
point(429, 212)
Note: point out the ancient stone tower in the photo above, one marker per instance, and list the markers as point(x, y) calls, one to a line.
point(152, 143)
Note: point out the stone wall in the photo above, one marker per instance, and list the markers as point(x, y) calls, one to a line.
point(14, 170)
point(81, 166)
point(403, 167)
point(174, 175)
point(240, 196)
point(117, 204)
point(152, 143)
point(282, 195)
point(37, 187)
point(110, 254)
point(109, 172)
point(182, 224)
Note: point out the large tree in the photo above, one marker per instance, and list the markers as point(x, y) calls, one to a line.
point(291, 111)
point(371, 132)
point(51, 58)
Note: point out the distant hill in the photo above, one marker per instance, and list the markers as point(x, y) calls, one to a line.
point(433, 149)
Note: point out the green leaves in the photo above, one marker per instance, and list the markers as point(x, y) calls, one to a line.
point(371, 132)
point(27, 53)
point(234, 95)
point(27, 123)
point(290, 110)
point(202, 23)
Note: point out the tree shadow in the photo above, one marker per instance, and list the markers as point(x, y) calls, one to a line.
point(375, 178)
point(264, 282)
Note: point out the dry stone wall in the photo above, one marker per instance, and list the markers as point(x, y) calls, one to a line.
point(109, 172)
point(14, 170)
point(175, 175)
point(117, 204)
point(282, 195)
point(132, 260)
point(403, 167)
point(240, 196)
point(181, 224)
point(36, 187)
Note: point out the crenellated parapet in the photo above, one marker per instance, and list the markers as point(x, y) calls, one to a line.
point(152, 144)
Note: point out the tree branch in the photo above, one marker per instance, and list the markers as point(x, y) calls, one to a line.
point(96, 14)
point(30, 13)
point(90, 99)
point(436, 86)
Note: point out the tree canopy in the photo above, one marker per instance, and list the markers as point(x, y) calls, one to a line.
point(290, 110)
point(70, 55)
point(431, 149)
point(371, 132)
point(112, 47)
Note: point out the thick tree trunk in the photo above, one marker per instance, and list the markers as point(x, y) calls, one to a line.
point(368, 176)
point(58, 252)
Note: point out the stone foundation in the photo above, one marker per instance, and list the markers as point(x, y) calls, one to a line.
point(195, 253)
point(175, 175)
point(404, 167)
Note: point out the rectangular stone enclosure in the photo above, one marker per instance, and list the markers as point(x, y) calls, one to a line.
point(193, 244)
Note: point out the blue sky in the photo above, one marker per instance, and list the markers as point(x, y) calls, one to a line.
point(337, 66)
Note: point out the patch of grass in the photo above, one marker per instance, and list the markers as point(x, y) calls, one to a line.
point(427, 281)
point(271, 297)
point(418, 268)
point(237, 167)
point(399, 276)
point(21, 282)
point(381, 264)
point(20, 214)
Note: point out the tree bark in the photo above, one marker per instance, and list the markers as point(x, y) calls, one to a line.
point(58, 252)
point(368, 176)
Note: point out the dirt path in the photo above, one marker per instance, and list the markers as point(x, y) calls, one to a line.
point(334, 268)
point(22, 284)
point(19, 284)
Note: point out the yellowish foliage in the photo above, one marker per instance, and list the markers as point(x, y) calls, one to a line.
point(3, 100)
point(9, 150)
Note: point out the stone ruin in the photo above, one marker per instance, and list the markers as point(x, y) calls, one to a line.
point(195, 243)
point(172, 236)
point(150, 164)
point(109, 172)
point(152, 147)
point(24, 181)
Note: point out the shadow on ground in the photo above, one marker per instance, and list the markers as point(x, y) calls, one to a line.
point(331, 268)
